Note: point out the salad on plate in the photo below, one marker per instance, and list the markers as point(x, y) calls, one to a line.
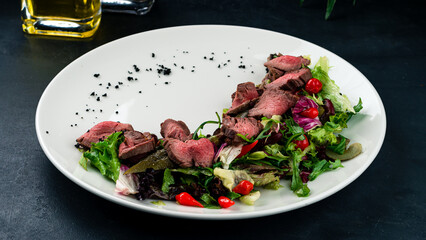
point(281, 133)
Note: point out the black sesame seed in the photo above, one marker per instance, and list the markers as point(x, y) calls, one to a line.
point(153, 55)
point(109, 84)
point(205, 57)
point(211, 59)
point(129, 72)
point(100, 84)
point(192, 70)
point(100, 110)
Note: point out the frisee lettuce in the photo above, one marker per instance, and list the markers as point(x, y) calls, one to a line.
point(104, 156)
point(330, 90)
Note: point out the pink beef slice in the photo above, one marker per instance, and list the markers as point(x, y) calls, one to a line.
point(175, 129)
point(198, 153)
point(244, 98)
point(136, 144)
point(101, 131)
point(248, 127)
point(273, 102)
point(287, 63)
point(292, 80)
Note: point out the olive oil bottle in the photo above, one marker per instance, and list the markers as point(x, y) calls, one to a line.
point(70, 18)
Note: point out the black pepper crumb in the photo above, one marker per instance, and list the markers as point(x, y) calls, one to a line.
point(76, 113)
point(92, 94)
point(100, 84)
point(205, 57)
point(241, 57)
point(116, 112)
point(218, 66)
point(107, 87)
point(229, 75)
point(129, 72)
point(252, 71)
point(166, 83)
point(87, 110)
point(182, 67)
point(129, 78)
point(136, 68)
point(192, 70)
point(153, 55)
point(140, 91)
point(150, 69)
point(104, 95)
point(225, 64)
point(242, 66)
point(100, 110)
point(109, 84)
point(229, 60)
point(164, 70)
point(96, 75)
point(120, 83)
point(211, 59)
point(98, 99)
point(47, 132)
point(81, 117)
point(116, 86)
point(71, 125)
point(174, 64)
point(75, 124)
point(136, 79)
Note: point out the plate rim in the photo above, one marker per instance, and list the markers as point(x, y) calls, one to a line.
point(210, 216)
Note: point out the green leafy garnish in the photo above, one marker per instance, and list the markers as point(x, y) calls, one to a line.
point(104, 156)
point(209, 202)
point(196, 136)
point(323, 166)
point(340, 147)
point(158, 203)
point(297, 185)
point(167, 180)
point(233, 195)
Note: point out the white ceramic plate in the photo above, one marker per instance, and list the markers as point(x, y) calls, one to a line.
point(191, 96)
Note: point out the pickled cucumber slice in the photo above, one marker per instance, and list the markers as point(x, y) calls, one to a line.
point(157, 161)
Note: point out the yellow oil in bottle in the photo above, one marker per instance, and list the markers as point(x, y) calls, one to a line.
point(71, 18)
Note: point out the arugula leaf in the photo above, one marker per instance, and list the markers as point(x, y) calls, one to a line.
point(233, 195)
point(297, 185)
point(196, 136)
point(323, 166)
point(340, 147)
point(209, 202)
point(104, 156)
point(167, 180)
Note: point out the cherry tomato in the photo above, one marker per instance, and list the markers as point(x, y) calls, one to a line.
point(302, 144)
point(186, 199)
point(310, 113)
point(313, 86)
point(247, 148)
point(244, 187)
point(225, 202)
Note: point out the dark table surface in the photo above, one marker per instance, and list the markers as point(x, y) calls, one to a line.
point(385, 40)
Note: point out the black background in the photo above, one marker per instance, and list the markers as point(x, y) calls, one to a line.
point(385, 40)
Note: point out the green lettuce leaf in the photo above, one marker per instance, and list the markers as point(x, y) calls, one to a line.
point(340, 147)
point(330, 90)
point(323, 135)
point(104, 156)
point(297, 185)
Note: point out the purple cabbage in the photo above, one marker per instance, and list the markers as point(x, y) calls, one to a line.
point(305, 122)
point(328, 110)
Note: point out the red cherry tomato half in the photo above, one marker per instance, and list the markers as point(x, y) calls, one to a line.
point(313, 86)
point(225, 202)
point(244, 187)
point(186, 199)
point(302, 144)
point(310, 113)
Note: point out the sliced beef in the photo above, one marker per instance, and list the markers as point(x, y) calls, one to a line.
point(292, 80)
point(287, 63)
point(136, 144)
point(175, 129)
point(244, 98)
point(101, 131)
point(231, 126)
point(273, 102)
point(198, 153)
